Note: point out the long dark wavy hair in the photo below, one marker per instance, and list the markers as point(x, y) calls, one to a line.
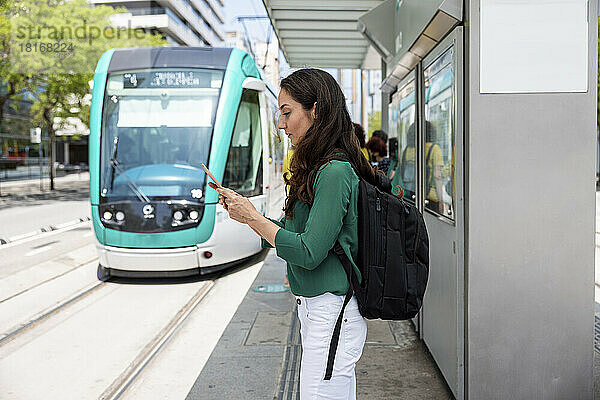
point(331, 132)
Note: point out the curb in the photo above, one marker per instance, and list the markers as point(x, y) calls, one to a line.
point(43, 229)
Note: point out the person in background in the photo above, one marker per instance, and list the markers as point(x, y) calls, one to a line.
point(434, 163)
point(286, 164)
point(381, 135)
point(393, 150)
point(378, 151)
point(405, 175)
point(287, 175)
point(360, 134)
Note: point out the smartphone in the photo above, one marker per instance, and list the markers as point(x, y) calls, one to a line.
point(211, 176)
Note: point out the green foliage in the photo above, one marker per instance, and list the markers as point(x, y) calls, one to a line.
point(11, 83)
point(59, 79)
point(51, 48)
point(56, 36)
point(374, 122)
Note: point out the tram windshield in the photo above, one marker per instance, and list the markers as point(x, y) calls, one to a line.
point(156, 132)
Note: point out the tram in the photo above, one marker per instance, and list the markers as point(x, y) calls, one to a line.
point(157, 114)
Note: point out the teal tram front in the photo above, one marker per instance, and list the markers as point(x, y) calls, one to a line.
point(157, 114)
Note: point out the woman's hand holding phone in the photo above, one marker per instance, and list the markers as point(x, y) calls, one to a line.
point(221, 197)
point(216, 185)
point(239, 208)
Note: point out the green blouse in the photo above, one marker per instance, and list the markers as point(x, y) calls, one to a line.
point(306, 240)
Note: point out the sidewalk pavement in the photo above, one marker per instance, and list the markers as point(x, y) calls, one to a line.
point(28, 192)
point(27, 210)
point(258, 355)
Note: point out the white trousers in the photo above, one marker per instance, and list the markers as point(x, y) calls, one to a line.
point(317, 320)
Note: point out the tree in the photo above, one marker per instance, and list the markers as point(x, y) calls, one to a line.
point(374, 121)
point(59, 43)
point(12, 83)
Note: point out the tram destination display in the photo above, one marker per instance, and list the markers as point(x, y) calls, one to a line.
point(167, 79)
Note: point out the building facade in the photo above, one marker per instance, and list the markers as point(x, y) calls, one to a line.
point(180, 22)
point(266, 55)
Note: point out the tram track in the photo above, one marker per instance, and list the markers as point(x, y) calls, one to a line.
point(132, 329)
point(126, 379)
point(38, 284)
point(16, 331)
point(120, 385)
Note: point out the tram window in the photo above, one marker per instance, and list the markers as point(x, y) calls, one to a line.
point(402, 141)
point(243, 171)
point(155, 127)
point(439, 135)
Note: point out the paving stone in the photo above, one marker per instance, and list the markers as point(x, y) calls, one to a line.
point(392, 373)
point(379, 332)
point(248, 362)
point(272, 328)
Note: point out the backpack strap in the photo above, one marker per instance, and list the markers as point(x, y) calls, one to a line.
point(352, 282)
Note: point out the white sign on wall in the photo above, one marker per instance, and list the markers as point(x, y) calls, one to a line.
point(533, 46)
point(35, 135)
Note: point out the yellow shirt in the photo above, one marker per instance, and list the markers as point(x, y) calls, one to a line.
point(365, 152)
point(286, 163)
point(435, 160)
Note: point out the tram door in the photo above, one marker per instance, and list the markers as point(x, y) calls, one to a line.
point(441, 194)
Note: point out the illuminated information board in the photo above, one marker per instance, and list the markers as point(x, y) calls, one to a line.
point(167, 79)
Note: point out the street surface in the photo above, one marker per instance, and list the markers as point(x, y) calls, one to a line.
point(66, 335)
point(25, 209)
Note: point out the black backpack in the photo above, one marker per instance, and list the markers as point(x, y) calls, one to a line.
point(393, 259)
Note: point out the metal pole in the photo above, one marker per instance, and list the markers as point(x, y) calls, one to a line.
point(354, 108)
point(363, 99)
point(384, 99)
point(40, 162)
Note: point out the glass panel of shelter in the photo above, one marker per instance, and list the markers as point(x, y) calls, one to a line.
point(438, 79)
point(438, 151)
point(402, 141)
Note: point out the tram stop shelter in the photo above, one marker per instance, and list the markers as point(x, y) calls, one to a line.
point(498, 98)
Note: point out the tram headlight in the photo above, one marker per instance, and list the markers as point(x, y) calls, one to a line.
point(120, 216)
point(107, 215)
point(177, 215)
point(194, 214)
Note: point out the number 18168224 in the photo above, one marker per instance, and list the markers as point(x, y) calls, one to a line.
point(46, 47)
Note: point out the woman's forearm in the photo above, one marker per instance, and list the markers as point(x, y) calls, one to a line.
point(264, 228)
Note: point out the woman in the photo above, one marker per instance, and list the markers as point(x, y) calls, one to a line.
point(378, 150)
point(320, 209)
point(360, 134)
